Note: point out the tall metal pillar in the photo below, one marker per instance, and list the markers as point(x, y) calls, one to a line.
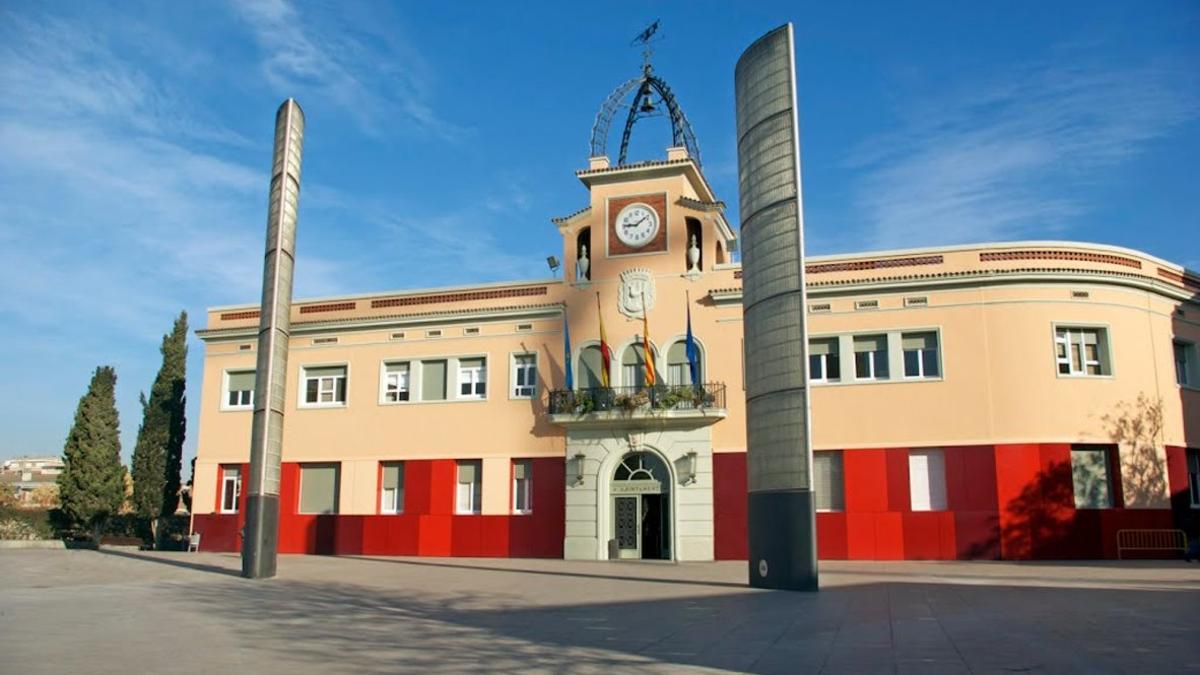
point(261, 542)
point(782, 527)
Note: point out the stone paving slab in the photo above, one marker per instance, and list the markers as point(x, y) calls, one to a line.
point(120, 612)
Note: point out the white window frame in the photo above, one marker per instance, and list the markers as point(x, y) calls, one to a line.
point(938, 500)
point(225, 405)
point(1104, 356)
point(872, 361)
point(304, 378)
point(516, 507)
point(473, 490)
point(397, 505)
point(473, 377)
point(824, 358)
point(236, 479)
point(384, 382)
point(513, 374)
point(937, 352)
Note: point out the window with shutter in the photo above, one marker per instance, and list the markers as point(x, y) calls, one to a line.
point(469, 489)
point(920, 354)
point(391, 489)
point(239, 389)
point(522, 486)
point(319, 488)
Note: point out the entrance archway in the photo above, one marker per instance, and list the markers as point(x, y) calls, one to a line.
point(641, 507)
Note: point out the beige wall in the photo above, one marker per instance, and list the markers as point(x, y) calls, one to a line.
point(995, 315)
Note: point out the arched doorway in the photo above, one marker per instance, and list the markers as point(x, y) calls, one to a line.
point(641, 507)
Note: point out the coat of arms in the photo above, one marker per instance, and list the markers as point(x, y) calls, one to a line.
point(636, 284)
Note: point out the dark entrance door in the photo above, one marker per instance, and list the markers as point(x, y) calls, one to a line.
point(654, 517)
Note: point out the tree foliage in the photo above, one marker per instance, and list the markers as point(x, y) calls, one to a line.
point(158, 454)
point(92, 484)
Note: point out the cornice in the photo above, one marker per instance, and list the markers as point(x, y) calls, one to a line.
point(979, 278)
point(392, 321)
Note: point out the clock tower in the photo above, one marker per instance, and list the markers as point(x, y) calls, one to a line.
point(640, 258)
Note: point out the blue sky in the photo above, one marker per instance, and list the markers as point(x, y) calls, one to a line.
point(135, 141)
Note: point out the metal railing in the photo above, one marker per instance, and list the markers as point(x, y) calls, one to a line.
point(635, 399)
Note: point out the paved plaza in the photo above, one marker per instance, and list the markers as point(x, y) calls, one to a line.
point(125, 612)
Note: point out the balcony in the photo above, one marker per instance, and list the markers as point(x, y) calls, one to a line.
point(639, 406)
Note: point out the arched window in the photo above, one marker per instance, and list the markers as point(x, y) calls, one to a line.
point(633, 366)
point(679, 371)
point(589, 368)
point(583, 255)
point(695, 235)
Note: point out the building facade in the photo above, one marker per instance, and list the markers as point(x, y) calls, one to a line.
point(1015, 400)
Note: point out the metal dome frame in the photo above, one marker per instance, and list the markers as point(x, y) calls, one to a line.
point(681, 129)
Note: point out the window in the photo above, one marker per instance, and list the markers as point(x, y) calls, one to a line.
point(433, 380)
point(239, 388)
point(827, 480)
point(522, 486)
point(920, 354)
point(1081, 351)
point(1185, 358)
point(325, 385)
point(633, 368)
point(318, 488)
point(524, 375)
point(870, 357)
point(395, 382)
point(231, 488)
point(590, 366)
point(1193, 463)
point(824, 363)
point(1090, 477)
point(470, 487)
point(927, 480)
point(391, 488)
point(472, 378)
point(679, 369)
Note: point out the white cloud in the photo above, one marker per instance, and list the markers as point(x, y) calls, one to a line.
point(1008, 158)
point(377, 80)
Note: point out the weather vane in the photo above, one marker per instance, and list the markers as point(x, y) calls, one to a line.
point(646, 39)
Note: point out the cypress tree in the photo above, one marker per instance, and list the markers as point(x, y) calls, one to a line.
point(92, 484)
point(158, 454)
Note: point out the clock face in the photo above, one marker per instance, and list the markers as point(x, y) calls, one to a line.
point(636, 225)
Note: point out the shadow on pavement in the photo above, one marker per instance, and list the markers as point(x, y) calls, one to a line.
point(582, 575)
point(173, 562)
point(396, 622)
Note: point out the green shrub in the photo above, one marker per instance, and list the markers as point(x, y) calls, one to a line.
point(27, 523)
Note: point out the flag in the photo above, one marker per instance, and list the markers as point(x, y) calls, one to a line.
point(570, 372)
point(693, 354)
point(605, 352)
point(647, 353)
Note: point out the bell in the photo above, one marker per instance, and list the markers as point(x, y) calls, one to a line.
point(647, 104)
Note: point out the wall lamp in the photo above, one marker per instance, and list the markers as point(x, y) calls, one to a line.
point(687, 467)
point(577, 468)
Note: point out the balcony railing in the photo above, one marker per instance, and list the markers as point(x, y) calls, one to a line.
point(663, 397)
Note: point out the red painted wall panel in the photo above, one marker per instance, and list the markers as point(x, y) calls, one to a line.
point(865, 476)
point(1017, 467)
point(729, 506)
point(831, 536)
point(899, 497)
point(1014, 501)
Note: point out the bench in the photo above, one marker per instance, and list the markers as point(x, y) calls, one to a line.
point(1151, 540)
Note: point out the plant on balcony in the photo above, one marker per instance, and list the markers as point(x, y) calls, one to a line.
point(584, 403)
point(631, 402)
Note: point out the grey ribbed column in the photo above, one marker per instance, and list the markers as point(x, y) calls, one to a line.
point(261, 542)
point(782, 527)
